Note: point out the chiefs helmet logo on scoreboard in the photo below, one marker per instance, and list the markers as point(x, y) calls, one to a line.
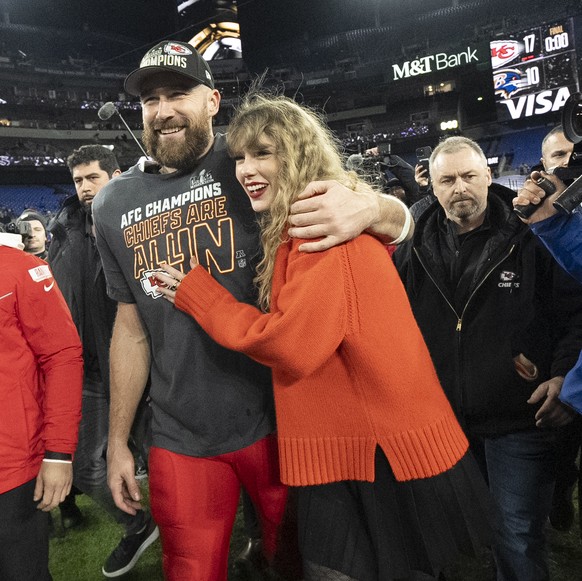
point(504, 51)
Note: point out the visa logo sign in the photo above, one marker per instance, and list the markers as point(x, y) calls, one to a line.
point(537, 104)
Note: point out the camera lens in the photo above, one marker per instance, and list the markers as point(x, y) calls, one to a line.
point(572, 118)
point(577, 119)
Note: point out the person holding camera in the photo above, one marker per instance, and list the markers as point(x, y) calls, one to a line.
point(398, 173)
point(36, 240)
point(490, 302)
point(41, 371)
point(561, 234)
point(556, 153)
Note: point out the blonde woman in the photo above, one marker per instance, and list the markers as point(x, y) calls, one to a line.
point(386, 489)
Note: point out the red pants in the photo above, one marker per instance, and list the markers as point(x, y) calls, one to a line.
point(194, 502)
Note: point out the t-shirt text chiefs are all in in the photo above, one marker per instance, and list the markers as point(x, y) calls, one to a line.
point(191, 220)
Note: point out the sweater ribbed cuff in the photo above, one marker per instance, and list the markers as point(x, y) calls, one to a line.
point(197, 292)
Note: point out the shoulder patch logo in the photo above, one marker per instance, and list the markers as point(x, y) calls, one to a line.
point(39, 273)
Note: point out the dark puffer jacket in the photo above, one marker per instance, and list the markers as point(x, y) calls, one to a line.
point(517, 301)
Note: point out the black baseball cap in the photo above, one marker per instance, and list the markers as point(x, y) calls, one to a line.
point(172, 56)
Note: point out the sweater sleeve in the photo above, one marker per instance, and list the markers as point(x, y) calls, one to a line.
point(562, 235)
point(308, 315)
point(567, 322)
point(50, 332)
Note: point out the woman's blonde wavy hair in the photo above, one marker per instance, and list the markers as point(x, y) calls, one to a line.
point(306, 150)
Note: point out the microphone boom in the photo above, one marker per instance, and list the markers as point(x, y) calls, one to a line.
point(107, 111)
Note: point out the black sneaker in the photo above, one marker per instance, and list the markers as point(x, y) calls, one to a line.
point(129, 550)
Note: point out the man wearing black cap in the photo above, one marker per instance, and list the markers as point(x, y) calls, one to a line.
point(213, 418)
point(35, 243)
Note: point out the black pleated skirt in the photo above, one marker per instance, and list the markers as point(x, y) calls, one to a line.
point(388, 530)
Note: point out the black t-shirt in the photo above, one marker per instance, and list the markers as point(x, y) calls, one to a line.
point(206, 400)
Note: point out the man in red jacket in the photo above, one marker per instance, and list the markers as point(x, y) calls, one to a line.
point(41, 371)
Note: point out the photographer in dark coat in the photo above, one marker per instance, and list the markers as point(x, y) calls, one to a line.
point(503, 324)
point(557, 150)
point(77, 268)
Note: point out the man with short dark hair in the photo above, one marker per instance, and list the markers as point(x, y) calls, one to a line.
point(503, 324)
point(556, 149)
point(77, 267)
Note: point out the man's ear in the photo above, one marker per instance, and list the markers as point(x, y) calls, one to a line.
point(213, 102)
point(117, 172)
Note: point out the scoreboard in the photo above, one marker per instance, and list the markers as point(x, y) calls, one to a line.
point(534, 71)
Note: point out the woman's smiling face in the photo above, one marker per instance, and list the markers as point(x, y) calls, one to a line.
point(257, 170)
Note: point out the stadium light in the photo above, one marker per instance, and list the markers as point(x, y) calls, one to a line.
point(449, 125)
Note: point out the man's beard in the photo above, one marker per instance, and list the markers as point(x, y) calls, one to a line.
point(183, 156)
point(464, 211)
point(86, 205)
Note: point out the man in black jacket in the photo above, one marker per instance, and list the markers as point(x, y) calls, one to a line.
point(556, 152)
point(503, 324)
point(77, 268)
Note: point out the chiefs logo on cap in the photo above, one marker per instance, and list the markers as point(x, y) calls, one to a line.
point(173, 48)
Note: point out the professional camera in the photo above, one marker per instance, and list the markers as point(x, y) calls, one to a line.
point(572, 118)
point(370, 167)
point(22, 227)
point(571, 175)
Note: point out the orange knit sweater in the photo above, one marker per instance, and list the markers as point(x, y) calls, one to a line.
point(350, 367)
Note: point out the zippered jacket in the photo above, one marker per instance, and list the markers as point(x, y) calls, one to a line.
point(41, 368)
point(517, 301)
